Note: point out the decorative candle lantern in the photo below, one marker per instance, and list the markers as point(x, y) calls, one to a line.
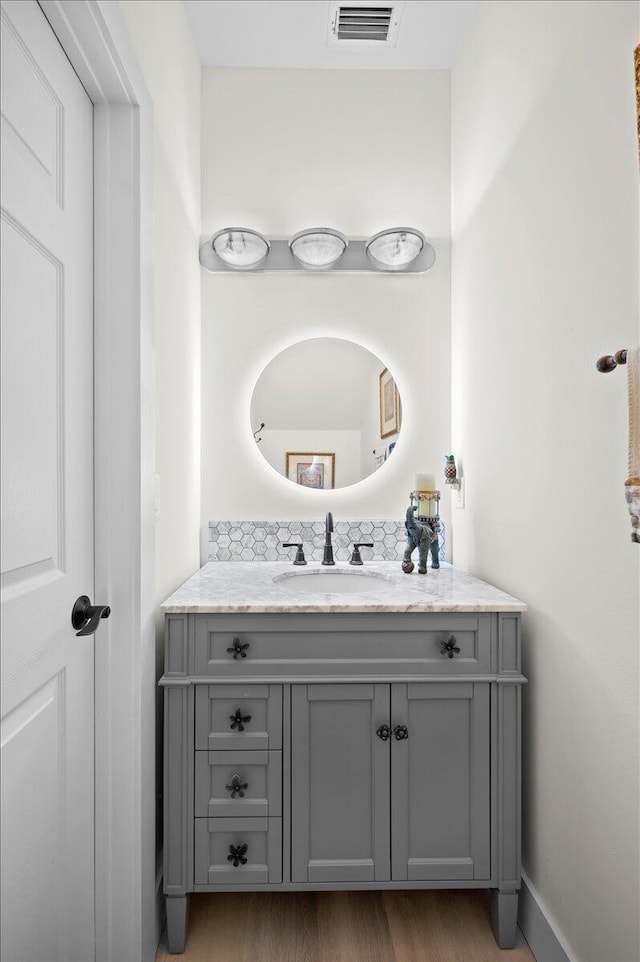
point(427, 504)
point(425, 482)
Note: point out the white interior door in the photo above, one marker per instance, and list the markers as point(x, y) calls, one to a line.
point(47, 496)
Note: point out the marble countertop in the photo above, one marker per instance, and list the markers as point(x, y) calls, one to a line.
point(238, 586)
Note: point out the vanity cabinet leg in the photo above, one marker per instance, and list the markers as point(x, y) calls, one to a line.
point(177, 906)
point(504, 917)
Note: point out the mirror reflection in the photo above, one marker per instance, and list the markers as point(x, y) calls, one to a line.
point(326, 413)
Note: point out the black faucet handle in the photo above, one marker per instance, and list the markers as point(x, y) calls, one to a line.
point(356, 557)
point(300, 558)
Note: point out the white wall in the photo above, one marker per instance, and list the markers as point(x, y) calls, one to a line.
point(163, 43)
point(358, 150)
point(545, 279)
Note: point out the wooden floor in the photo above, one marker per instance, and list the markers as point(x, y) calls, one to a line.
point(391, 926)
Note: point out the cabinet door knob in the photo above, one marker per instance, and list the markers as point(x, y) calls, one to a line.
point(238, 720)
point(237, 786)
point(238, 650)
point(449, 648)
point(238, 854)
point(401, 732)
point(384, 732)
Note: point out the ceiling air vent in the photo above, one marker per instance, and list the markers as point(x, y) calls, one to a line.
point(362, 23)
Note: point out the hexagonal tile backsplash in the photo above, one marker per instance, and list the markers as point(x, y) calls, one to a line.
point(262, 540)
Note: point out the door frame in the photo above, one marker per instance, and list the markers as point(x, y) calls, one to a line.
point(94, 37)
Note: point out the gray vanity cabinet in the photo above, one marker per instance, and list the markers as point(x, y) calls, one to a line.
point(405, 803)
point(440, 801)
point(307, 751)
point(339, 784)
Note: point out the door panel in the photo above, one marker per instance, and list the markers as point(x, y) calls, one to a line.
point(440, 782)
point(47, 494)
point(33, 536)
point(340, 783)
point(32, 753)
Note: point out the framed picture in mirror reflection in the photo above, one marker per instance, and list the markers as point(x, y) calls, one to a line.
point(311, 470)
point(389, 405)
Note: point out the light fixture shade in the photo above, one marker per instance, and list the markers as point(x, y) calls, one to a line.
point(318, 246)
point(395, 248)
point(240, 247)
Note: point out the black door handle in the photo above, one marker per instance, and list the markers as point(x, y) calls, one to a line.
point(86, 616)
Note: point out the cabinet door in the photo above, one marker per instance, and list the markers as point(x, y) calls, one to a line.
point(339, 783)
point(440, 782)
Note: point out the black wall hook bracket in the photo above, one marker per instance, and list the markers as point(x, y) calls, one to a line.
point(609, 362)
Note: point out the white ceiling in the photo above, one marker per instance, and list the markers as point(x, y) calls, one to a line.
point(293, 33)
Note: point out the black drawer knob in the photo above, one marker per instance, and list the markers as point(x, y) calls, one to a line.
point(449, 648)
point(384, 733)
point(238, 854)
point(238, 650)
point(238, 720)
point(401, 732)
point(237, 786)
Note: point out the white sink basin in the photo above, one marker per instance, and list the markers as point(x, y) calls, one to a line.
point(334, 582)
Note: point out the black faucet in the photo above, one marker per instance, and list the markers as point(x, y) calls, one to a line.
point(327, 558)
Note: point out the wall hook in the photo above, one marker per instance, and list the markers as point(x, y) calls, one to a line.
point(609, 362)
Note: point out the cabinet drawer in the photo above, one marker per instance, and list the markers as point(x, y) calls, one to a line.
point(219, 840)
point(353, 645)
point(221, 776)
point(238, 717)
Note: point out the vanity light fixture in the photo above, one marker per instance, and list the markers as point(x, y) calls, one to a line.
point(401, 250)
point(318, 247)
point(396, 248)
point(240, 247)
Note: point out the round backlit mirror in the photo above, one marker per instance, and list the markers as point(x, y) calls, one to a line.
point(326, 413)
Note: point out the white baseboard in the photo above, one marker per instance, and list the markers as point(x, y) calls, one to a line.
point(539, 927)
